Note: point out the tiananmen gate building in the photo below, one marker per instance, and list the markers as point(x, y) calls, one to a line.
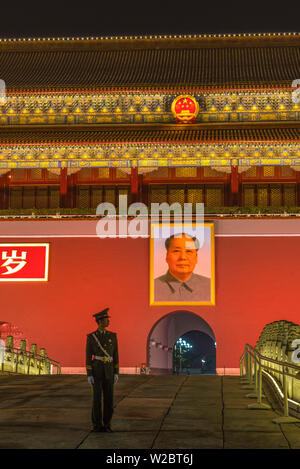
point(212, 119)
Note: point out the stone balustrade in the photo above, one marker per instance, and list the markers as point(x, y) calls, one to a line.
point(21, 360)
point(275, 342)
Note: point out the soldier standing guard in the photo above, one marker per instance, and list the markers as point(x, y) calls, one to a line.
point(102, 366)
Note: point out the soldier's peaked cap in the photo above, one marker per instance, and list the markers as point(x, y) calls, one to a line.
point(103, 314)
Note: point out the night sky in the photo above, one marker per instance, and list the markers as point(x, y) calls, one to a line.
point(100, 18)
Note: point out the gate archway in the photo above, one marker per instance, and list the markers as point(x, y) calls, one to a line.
point(164, 334)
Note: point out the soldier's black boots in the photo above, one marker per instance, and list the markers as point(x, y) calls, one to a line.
point(107, 429)
point(98, 429)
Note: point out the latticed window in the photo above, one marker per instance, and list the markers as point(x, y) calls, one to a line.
point(250, 173)
point(212, 173)
point(275, 195)
point(289, 195)
point(15, 199)
point(269, 171)
point(214, 196)
point(84, 174)
point(54, 196)
point(286, 171)
point(249, 196)
point(124, 191)
point(121, 174)
point(18, 174)
point(102, 173)
point(29, 197)
point(160, 173)
point(51, 175)
point(195, 196)
point(36, 174)
point(96, 196)
point(42, 197)
point(262, 196)
point(158, 195)
point(83, 197)
point(110, 195)
point(176, 196)
point(188, 172)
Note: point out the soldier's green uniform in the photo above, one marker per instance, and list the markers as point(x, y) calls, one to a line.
point(102, 366)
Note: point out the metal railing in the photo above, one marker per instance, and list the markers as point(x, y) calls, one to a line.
point(284, 377)
point(14, 360)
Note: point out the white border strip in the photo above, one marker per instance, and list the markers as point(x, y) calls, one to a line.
point(243, 235)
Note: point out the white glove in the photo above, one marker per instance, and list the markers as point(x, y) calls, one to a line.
point(116, 377)
point(91, 380)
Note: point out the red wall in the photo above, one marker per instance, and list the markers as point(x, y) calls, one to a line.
point(257, 282)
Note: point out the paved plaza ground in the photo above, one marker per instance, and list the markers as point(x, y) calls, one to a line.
point(151, 412)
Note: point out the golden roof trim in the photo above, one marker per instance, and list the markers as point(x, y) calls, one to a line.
point(142, 41)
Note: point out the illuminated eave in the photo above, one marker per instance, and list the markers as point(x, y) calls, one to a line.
point(153, 37)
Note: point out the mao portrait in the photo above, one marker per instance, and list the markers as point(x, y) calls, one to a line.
point(182, 268)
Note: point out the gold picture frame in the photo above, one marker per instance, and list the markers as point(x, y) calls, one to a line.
point(156, 247)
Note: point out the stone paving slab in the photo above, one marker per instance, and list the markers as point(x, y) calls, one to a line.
point(173, 423)
point(131, 424)
point(76, 416)
point(189, 403)
point(59, 402)
point(291, 435)
point(250, 420)
point(143, 407)
point(154, 391)
point(200, 413)
point(197, 439)
point(254, 440)
point(159, 412)
point(126, 440)
point(40, 437)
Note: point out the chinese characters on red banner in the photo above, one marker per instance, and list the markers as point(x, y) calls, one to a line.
point(24, 262)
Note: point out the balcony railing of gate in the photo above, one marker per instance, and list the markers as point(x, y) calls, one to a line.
point(21, 360)
point(284, 378)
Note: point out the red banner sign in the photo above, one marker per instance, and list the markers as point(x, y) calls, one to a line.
point(24, 262)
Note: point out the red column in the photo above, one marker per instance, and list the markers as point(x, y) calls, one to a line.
point(298, 188)
point(235, 185)
point(134, 181)
point(144, 192)
point(4, 192)
point(234, 179)
point(70, 191)
point(63, 186)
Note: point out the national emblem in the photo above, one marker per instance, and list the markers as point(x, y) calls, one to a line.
point(185, 109)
